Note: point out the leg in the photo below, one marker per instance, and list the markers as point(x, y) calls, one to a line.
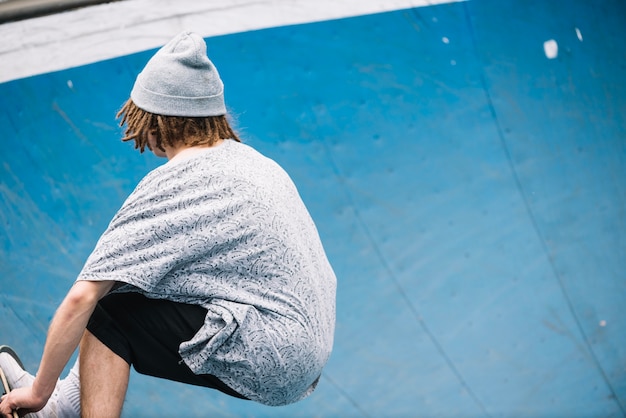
point(103, 379)
point(147, 333)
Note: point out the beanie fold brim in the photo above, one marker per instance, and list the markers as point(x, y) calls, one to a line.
point(178, 106)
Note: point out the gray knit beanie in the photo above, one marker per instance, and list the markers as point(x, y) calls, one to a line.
point(180, 80)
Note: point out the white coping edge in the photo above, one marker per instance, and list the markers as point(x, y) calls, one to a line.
point(64, 40)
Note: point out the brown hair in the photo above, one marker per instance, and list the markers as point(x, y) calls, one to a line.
point(172, 130)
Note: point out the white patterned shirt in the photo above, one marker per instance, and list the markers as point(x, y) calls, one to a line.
point(226, 229)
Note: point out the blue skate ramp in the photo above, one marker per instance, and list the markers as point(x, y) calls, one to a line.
point(465, 164)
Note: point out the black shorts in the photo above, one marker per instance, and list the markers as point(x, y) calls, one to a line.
point(146, 333)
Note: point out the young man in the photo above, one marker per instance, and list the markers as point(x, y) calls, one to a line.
point(212, 273)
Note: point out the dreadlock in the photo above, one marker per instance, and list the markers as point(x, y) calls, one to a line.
point(172, 131)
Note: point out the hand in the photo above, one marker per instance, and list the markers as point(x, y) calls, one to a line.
point(22, 400)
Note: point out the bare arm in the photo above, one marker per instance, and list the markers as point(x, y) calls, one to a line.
point(64, 334)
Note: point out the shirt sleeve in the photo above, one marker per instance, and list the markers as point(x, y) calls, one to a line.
point(143, 242)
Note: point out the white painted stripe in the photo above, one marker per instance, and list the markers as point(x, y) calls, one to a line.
point(95, 33)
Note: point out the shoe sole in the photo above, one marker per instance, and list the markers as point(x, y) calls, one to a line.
point(12, 353)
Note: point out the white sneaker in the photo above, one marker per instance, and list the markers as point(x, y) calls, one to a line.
point(17, 377)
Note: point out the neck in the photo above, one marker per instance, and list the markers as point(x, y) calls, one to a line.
point(171, 152)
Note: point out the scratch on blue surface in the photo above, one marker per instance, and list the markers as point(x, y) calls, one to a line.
point(343, 393)
point(76, 129)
